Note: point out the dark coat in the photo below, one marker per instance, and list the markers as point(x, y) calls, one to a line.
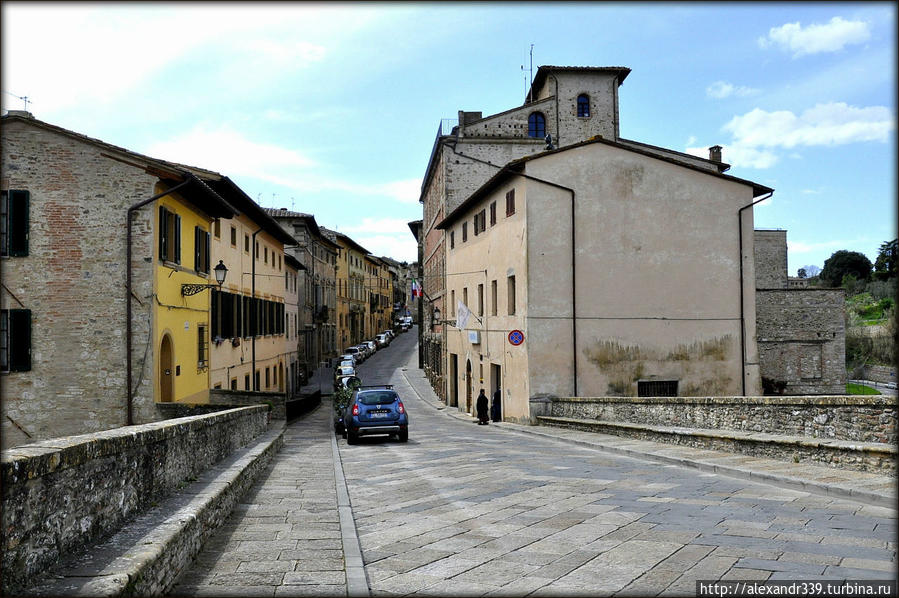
point(482, 407)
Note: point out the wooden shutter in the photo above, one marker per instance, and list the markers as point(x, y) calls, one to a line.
point(18, 223)
point(177, 237)
point(20, 340)
point(163, 233)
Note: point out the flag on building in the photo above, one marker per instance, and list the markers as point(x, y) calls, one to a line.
point(416, 288)
point(462, 315)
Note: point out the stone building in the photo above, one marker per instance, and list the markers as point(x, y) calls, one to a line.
point(589, 270)
point(318, 292)
point(293, 269)
point(98, 328)
point(570, 105)
point(801, 329)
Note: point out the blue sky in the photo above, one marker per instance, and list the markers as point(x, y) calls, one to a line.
point(332, 109)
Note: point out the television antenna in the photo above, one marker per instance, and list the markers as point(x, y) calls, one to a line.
point(531, 78)
point(23, 98)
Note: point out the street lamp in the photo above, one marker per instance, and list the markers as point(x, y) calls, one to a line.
point(221, 271)
point(436, 317)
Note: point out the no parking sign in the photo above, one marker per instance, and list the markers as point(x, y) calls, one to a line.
point(516, 337)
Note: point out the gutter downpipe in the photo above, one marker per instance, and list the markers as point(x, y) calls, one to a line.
point(573, 275)
point(743, 292)
point(128, 331)
point(253, 304)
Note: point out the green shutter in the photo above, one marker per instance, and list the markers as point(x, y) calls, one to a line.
point(18, 223)
point(20, 340)
point(177, 238)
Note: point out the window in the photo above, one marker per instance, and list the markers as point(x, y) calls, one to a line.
point(480, 300)
point(217, 228)
point(452, 239)
point(266, 254)
point(15, 340)
point(201, 250)
point(583, 105)
point(233, 241)
point(453, 302)
point(492, 213)
point(169, 236)
point(246, 243)
point(510, 286)
point(480, 222)
point(256, 380)
point(14, 223)
point(465, 296)
point(510, 202)
point(464, 231)
point(268, 377)
point(657, 388)
point(246, 382)
point(233, 383)
point(493, 301)
point(537, 125)
point(202, 346)
point(257, 250)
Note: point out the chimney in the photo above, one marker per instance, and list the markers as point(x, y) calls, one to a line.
point(20, 113)
point(715, 153)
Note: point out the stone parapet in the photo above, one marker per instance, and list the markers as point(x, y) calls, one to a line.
point(869, 418)
point(63, 494)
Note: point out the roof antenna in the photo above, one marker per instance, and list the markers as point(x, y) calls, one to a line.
point(23, 98)
point(529, 91)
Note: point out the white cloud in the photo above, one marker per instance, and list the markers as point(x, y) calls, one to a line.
point(816, 38)
point(380, 225)
point(230, 153)
point(835, 123)
point(721, 89)
point(739, 156)
point(691, 140)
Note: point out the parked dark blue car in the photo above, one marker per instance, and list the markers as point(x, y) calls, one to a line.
point(376, 410)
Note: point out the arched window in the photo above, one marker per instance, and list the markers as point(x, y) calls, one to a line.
point(583, 105)
point(537, 125)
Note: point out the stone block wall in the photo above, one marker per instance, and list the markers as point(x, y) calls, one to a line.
point(851, 418)
point(73, 281)
point(880, 373)
point(239, 398)
point(770, 259)
point(60, 495)
point(512, 123)
point(802, 339)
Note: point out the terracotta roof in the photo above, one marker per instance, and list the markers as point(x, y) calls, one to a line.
point(517, 166)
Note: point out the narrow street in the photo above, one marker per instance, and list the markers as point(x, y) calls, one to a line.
point(467, 510)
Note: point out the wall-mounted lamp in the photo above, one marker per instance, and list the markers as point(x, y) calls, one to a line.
point(221, 271)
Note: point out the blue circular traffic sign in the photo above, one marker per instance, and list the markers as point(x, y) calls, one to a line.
point(516, 337)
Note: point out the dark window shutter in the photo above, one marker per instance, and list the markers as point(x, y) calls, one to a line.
point(163, 236)
point(207, 247)
point(20, 340)
point(215, 313)
point(18, 223)
point(177, 238)
point(197, 263)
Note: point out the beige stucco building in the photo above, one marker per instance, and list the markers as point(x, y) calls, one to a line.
point(352, 295)
point(625, 271)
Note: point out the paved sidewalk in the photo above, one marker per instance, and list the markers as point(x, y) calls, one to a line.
point(287, 536)
point(865, 487)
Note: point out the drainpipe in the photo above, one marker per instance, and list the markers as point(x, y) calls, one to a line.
point(742, 292)
point(573, 275)
point(255, 311)
point(128, 333)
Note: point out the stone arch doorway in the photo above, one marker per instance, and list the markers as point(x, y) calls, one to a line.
point(468, 386)
point(166, 370)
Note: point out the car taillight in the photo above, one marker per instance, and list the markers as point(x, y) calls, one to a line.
point(401, 409)
point(355, 409)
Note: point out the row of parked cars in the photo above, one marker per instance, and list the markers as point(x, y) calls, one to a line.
point(355, 355)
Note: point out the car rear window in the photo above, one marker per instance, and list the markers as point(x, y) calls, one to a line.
point(375, 398)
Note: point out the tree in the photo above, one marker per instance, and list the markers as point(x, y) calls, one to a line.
point(810, 271)
point(845, 262)
point(885, 264)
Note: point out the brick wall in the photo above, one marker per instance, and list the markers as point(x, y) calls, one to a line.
point(73, 281)
point(60, 495)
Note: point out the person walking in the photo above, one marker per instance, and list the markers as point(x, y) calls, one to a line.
point(496, 409)
point(481, 404)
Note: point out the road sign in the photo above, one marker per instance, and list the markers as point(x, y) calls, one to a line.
point(516, 337)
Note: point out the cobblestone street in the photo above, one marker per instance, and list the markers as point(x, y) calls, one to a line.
point(475, 510)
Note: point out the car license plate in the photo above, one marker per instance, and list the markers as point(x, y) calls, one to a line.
point(379, 414)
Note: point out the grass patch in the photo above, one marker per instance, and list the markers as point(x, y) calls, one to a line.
point(860, 389)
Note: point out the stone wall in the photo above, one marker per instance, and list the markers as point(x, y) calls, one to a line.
point(73, 281)
point(770, 259)
point(880, 373)
point(851, 418)
point(60, 495)
point(240, 398)
point(802, 339)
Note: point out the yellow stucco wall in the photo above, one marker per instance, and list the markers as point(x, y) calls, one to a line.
point(176, 317)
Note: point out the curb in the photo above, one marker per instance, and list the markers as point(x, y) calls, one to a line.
point(147, 556)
